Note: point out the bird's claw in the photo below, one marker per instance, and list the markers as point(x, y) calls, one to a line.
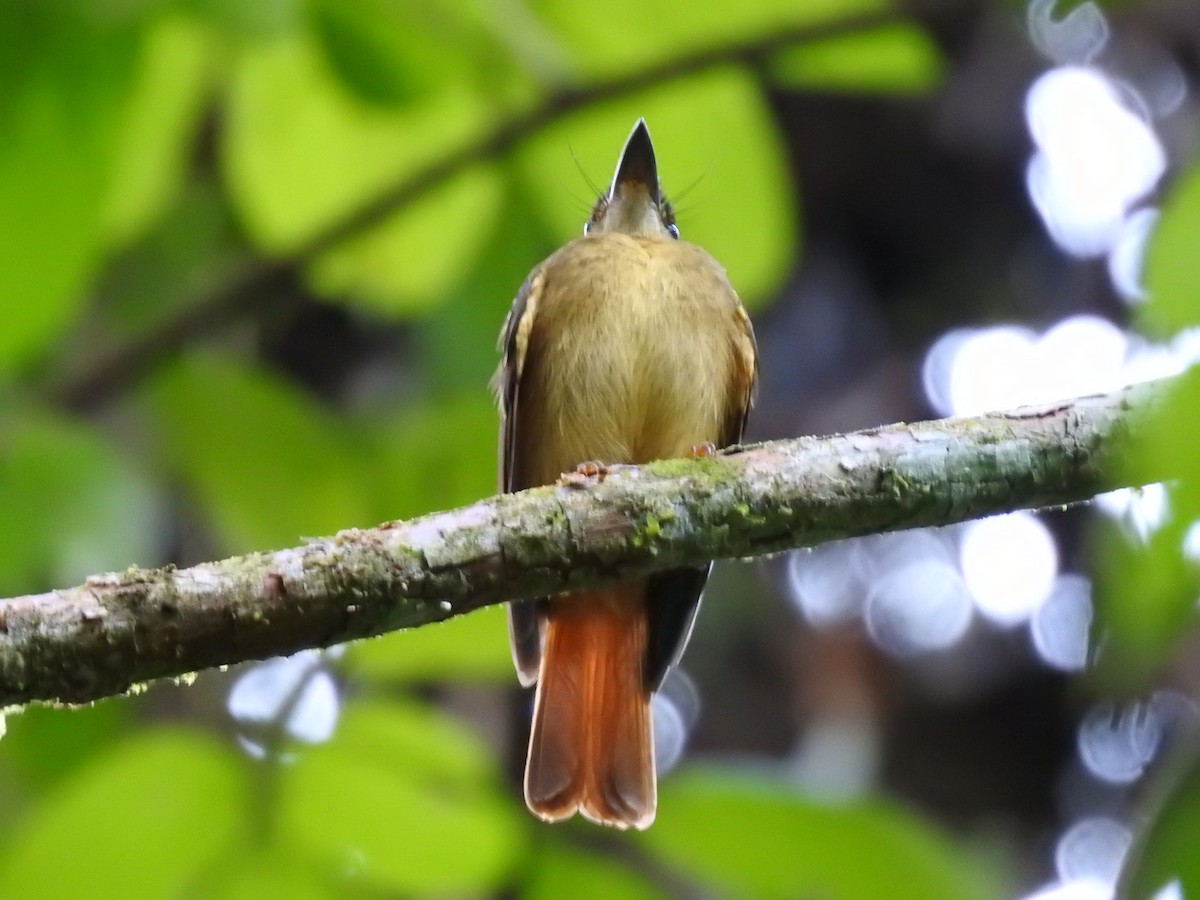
point(585, 474)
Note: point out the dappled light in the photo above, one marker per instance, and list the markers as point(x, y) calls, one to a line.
point(1076, 35)
point(1127, 256)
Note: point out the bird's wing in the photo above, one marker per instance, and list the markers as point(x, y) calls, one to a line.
point(745, 380)
point(524, 630)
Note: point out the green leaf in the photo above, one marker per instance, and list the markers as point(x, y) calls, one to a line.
point(376, 47)
point(437, 453)
point(1145, 599)
point(155, 126)
point(897, 59)
point(719, 155)
point(43, 745)
point(1165, 440)
point(393, 52)
point(1146, 595)
point(69, 505)
point(411, 259)
point(64, 79)
point(301, 154)
point(263, 18)
point(1166, 850)
point(407, 799)
point(276, 872)
point(141, 820)
point(191, 250)
point(466, 648)
point(789, 845)
point(1171, 260)
point(560, 871)
point(459, 338)
point(602, 39)
point(265, 464)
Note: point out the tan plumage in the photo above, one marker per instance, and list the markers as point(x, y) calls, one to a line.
point(625, 346)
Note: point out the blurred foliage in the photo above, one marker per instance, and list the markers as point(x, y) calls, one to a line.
point(242, 440)
point(54, 469)
point(899, 59)
point(1166, 853)
point(1149, 588)
point(407, 799)
point(769, 860)
point(466, 648)
point(729, 102)
point(1171, 260)
point(148, 147)
point(144, 818)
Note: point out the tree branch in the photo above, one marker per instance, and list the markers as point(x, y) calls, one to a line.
point(88, 386)
point(122, 629)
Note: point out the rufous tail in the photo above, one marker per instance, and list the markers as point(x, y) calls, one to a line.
point(591, 748)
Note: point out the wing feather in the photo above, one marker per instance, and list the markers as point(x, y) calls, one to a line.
point(524, 625)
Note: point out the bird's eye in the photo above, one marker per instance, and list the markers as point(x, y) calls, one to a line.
point(598, 210)
point(666, 213)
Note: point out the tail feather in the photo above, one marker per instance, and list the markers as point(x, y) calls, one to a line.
point(591, 746)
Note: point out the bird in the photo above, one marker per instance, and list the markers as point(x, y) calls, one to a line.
point(626, 345)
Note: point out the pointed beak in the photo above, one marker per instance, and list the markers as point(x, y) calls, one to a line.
point(637, 167)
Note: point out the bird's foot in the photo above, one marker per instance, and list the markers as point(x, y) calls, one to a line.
point(586, 473)
point(702, 451)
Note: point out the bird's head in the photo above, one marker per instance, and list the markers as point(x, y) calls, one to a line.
point(634, 204)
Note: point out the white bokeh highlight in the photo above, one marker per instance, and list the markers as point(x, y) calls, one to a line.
point(1128, 253)
point(1092, 851)
point(1077, 37)
point(973, 371)
point(906, 586)
point(291, 695)
point(1095, 157)
point(1116, 744)
point(1009, 564)
point(1060, 628)
point(920, 606)
point(674, 710)
point(827, 582)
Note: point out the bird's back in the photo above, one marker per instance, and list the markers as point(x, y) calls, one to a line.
point(631, 344)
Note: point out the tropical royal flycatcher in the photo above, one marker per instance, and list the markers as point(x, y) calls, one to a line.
point(625, 346)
